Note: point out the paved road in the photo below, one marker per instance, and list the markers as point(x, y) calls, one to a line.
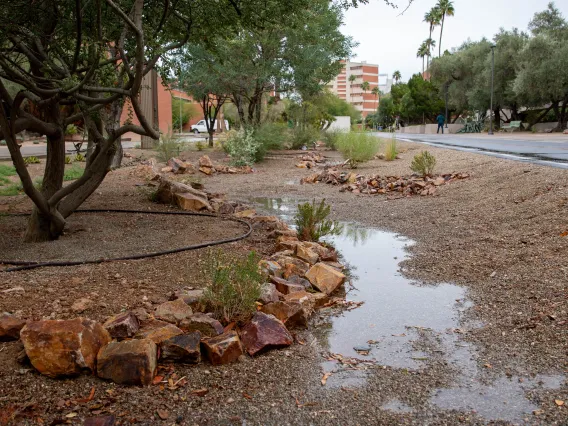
point(529, 147)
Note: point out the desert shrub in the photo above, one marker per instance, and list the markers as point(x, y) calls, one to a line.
point(357, 147)
point(331, 137)
point(75, 172)
point(391, 150)
point(167, 147)
point(423, 164)
point(71, 130)
point(270, 136)
point(200, 146)
point(31, 160)
point(303, 136)
point(312, 221)
point(242, 147)
point(68, 160)
point(233, 285)
point(80, 158)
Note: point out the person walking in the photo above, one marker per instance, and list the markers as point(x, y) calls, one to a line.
point(441, 120)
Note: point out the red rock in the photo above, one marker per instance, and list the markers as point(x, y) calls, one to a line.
point(205, 161)
point(207, 326)
point(225, 208)
point(264, 332)
point(306, 253)
point(81, 305)
point(168, 189)
point(173, 311)
point(10, 327)
point(191, 202)
point(268, 293)
point(292, 314)
point(245, 214)
point(286, 287)
point(159, 334)
point(63, 348)
point(223, 349)
point(191, 297)
point(307, 300)
point(207, 170)
point(123, 325)
point(178, 166)
point(130, 362)
point(325, 278)
point(100, 421)
point(183, 348)
point(271, 267)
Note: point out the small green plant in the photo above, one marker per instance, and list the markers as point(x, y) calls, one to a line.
point(38, 182)
point(167, 147)
point(137, 146)
point(68, 160)
point(423, 164)
point(2, 142)
point(304, 136)
point(79, 158)
point(357, 147)
point(312, 221)
point(242, 147)
point(31, 160)
point(233, 285)
point(270, 136)
point(331, 137)
point(10, 190)
point(74, 172)
point(391, 150)
point(200, 146)
point(71, 130)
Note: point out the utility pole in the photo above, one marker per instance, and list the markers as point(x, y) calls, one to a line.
point(492, 78)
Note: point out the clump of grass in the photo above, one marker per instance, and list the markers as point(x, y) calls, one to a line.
point(312, 221)
point(167, 147)
point(233, 285)
point(74, 172)
point(357, 147)
point(200, 146)
point(391, 150)
point(331, 138)
point(6, 171)
point(31, 160)
point(80, 158)
point(10, 190)
point(423, 164)
point(68, 160)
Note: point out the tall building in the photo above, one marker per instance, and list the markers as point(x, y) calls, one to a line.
point(351, 91)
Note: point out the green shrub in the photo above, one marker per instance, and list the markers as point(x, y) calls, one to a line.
point(331, 137)
point(233, 285)
point(242, 147)
point(200, 146)
point(312, 222)
point(270, 136)
point(167, 147)
point(13, 189)
point(423, 164)
point(75, 172)
point(357, 147)
point(80, 158)
point(391, 151)
point(304, 136)
point(31, 160)
point(68, 160)
point(71, 130)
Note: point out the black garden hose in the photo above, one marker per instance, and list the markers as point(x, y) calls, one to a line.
point(25, 265)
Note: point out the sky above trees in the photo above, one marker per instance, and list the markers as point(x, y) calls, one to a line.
point(392, 41)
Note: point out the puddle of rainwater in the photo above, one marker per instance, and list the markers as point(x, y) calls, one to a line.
point(399, 316)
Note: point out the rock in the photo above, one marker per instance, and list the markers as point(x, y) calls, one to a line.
point(286, 287)
point(223, 349)
point(323, 252)
point(183, 348)
point(191, 202)
point(100, 421)
point(439, 181)
point(123, 325)
point(168, 189)
point(207, 326)
point(158, 333)
point(271, 267)
point(264, 332)
point(305, 253)
point(59, 348)
point(295, 279)
point(141, 314)
point(320, 299)
point(81, 305)
point(299, 267)
point(268, 293)
point(205, 161)
point(173, 311)
point(130, 362)
point(207, 170)
point(292, 314)
point(304, 298)
point(325, 278)
point(166, 169)
point(10, 327)
point(335, 265)
point(225, 208)
point(191, 297)
point(246, 214)
point(178, 166)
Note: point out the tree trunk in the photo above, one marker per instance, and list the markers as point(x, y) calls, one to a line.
point(118, 154)
point(441, 31)
point(497, 113)
point(211, 138)
point(562, 116)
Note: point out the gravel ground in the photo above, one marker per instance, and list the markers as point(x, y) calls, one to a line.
point(507, 218)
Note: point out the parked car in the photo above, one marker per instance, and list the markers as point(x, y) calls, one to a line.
point(201, 127)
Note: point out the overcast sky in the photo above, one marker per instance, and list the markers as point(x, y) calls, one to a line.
point(392, 41)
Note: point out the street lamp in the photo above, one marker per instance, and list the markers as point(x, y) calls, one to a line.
point(492, 78)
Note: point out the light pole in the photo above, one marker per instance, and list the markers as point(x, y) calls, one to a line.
point(492, 78)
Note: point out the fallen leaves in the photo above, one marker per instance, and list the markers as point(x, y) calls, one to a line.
point(200, 392)
point(564, 234)
point(559, 402)
point(325, 377)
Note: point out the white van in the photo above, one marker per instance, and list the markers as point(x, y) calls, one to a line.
point(201, 127)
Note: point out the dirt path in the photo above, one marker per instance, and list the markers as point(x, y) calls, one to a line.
point(495, 235)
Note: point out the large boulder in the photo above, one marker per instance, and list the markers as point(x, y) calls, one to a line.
point(123, 325)
point(268, 293)
point(207, 326)
point(264, 332)
point(183, 348)
point(10, 327)
point(191, 202)
point(223, 349)
point(173, 311)
point(130, 362)
point(178, 166)
point(292, 313)
point(168, 189)
point(306, 254)
point(325, 278)
point(59, 348)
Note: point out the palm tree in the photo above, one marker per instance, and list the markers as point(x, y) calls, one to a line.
point(446, 8)
point(352, 78)
point(396, 76)
point(365, 86)
point(422, 52)
point(433, 18)
point(430, 44)
point(375, 91)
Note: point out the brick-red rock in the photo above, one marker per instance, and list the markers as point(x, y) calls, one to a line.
point(10, 327)
point(130, 362)
point(183, 348)
point(264, 332)
point(123, 325)
point(223, 349)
